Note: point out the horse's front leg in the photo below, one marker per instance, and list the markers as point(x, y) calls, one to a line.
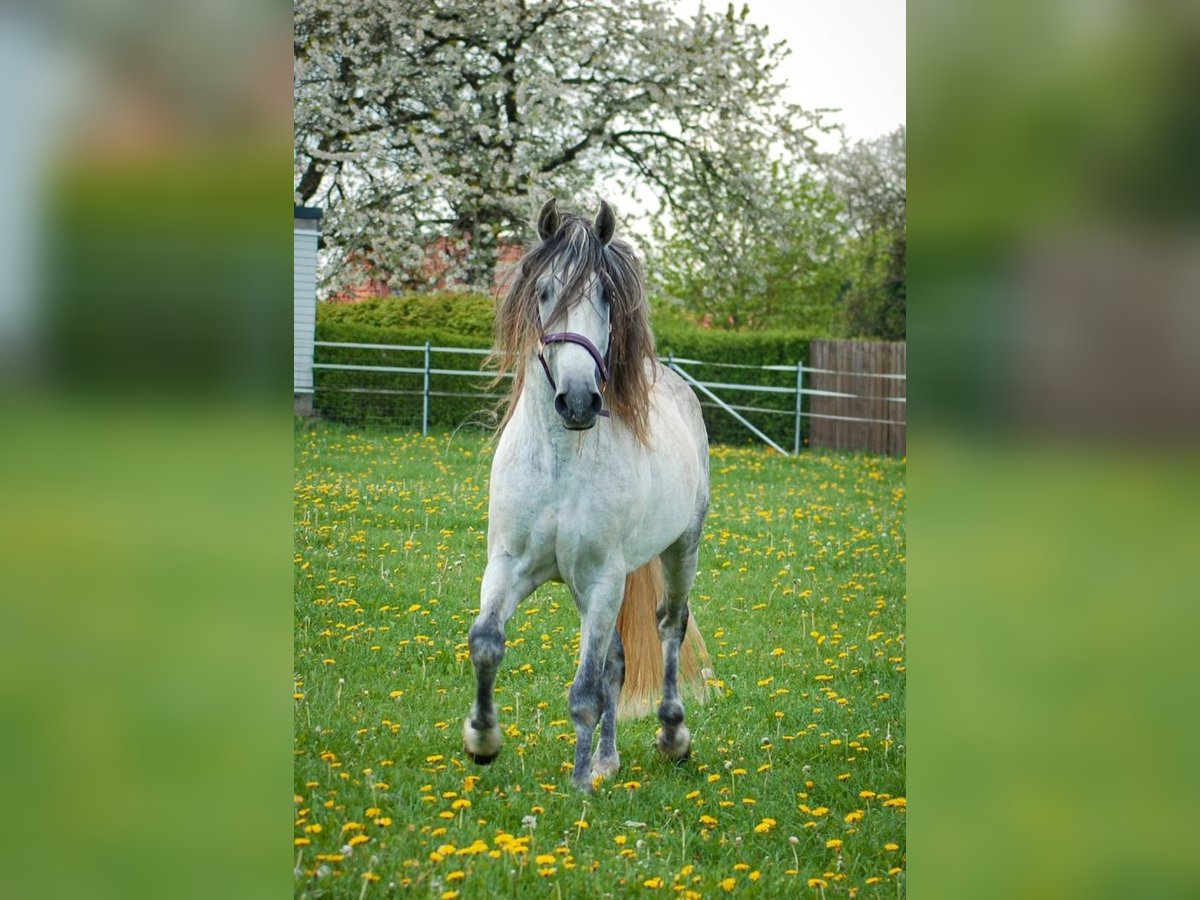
point(504, 586)
point(597, 681)
point(607, 760)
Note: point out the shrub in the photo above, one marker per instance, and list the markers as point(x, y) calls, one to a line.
point(465, 320)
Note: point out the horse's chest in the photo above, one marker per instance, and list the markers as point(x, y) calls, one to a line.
point(553, 510)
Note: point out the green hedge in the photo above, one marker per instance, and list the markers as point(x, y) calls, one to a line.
point(465, 320)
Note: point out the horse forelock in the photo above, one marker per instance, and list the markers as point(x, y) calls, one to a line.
point(575, 255)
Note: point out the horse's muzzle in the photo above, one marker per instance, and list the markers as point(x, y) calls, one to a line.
point(578, 409)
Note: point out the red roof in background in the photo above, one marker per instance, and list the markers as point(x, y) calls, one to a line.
point(439, 257)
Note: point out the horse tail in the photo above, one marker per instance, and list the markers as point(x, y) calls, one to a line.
point(637, 624)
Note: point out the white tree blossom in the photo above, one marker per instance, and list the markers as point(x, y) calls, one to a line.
point(420, 121)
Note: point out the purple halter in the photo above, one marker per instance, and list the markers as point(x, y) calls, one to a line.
point(570, 337)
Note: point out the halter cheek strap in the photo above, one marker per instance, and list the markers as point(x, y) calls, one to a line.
point(570, 337)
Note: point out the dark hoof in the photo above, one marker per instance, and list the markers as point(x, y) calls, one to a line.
point(480, 759)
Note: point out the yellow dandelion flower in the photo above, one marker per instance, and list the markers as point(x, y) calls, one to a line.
point(891, 847)
point(900, 802)
point(727, 884)
point(855, 816)
point(358, 839)
point(653, 883)
point(461, 803)
point(301, 842)
point(764, 826)
point(545, 859)
point(895, 870)
point(369, 876)
point(548, 871)
point(740, 867)
point(708, 820)
point(449, 895)
point(833, 844)
point(755, 875)
point(817, 883)
point(874, 879)
point(456, 875)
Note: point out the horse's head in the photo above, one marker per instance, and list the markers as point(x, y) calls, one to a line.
point(574, 313)
point(578, 307)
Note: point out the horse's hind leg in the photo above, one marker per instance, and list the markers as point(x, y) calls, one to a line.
point(679, 570)
point(607, 760)
point(503, 588)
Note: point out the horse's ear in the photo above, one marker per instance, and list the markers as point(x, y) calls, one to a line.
point(548, 220)
point(606, 223)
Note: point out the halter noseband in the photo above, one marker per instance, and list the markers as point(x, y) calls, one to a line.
point(570, 337)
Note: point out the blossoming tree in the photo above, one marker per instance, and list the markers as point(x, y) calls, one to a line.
point(417, 121)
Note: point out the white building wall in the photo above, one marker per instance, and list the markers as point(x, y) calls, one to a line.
point(304, 317)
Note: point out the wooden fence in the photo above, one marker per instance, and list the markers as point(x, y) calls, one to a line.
point(874, 419)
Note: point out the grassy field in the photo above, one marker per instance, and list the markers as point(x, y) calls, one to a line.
point(796, 783)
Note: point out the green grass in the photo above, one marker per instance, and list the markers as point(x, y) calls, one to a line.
point(801, 598)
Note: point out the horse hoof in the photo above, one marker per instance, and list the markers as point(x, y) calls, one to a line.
point(678, 747)
point(607, 767)
point(482, 746)
point(481, 759)
point(587, 786)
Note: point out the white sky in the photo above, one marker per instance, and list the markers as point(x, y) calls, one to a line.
point(847, 54)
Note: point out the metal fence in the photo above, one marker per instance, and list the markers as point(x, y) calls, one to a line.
point(796, 403)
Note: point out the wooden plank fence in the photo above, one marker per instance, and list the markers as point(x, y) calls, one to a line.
point(873, 370)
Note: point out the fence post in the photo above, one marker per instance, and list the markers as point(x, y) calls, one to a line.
point(799, 401)
point(425, 405)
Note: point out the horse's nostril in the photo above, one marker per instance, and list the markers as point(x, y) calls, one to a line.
point(578, 408)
